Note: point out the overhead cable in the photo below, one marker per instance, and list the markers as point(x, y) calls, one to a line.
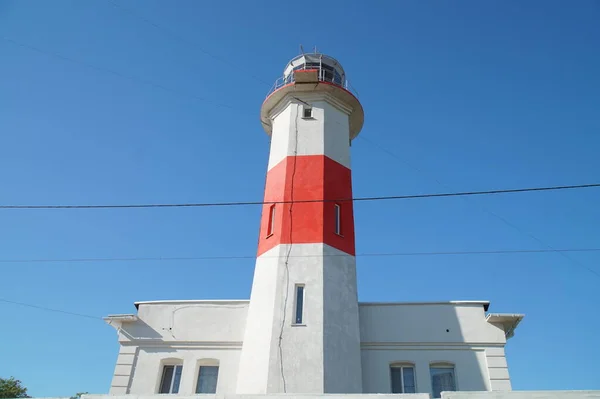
point(356, 199)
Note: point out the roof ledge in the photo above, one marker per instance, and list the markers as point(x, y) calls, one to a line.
point(507, 321)
point(121, 318)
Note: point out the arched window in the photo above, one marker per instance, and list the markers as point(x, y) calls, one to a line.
point(442, 378)
point(403, 378)
point(170, 378)
point(208, 376)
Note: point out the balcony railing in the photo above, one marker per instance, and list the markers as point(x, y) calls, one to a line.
point(324, 75)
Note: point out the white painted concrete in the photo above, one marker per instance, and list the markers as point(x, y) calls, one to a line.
point(181, 332)
point(328, 339)
point(445, 395)
point(326, 133)
point(412, 333)
point(421, 334)
point(465, 324)
point(523, 395)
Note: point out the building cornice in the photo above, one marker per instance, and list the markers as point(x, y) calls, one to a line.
point(430, 345)
point(222, 302)
point(184, 344)
point(485, 304)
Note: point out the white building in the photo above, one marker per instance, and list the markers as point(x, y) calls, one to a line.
point(303, 330)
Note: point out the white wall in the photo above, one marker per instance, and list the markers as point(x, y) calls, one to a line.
point(329, 336)
point(183, 332)
point(148, 371)
point(327, 133)
point(422, 334)
point(188, 321)
point(523, 395)
point(422, 322)
point(445, 395)
point(410, 333)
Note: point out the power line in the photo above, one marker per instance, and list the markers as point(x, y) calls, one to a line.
point(246, 257)
point(357, 199)
point(29, 305)
point(382, 254)
point(497, 216)
point(117, 73)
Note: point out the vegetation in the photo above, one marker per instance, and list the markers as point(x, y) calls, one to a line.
point(12, 388)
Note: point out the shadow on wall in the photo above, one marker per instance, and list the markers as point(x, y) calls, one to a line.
point(466, 370)
point(141, 330)
point(422, 348)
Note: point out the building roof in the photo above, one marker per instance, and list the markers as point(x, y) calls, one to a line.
point(485, 304)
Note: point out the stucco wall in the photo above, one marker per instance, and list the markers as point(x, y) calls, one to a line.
point(445, 395)
point(148, 371)
point(424, 334)
point(184, 332)
point(188, 321)
point(308, 348)
point(445, 322)
point(407, 333)
point(523, 395)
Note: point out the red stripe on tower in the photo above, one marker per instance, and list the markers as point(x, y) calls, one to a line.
point(328, 219)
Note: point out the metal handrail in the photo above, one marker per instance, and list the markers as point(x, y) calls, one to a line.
point(285, 80)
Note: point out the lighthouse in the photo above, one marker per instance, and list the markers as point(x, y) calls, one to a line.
point(302, 328)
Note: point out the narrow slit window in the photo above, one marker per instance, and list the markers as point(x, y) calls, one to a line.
point(307, 113)
point(338, 219)
point(299, 304)
point(271, 226)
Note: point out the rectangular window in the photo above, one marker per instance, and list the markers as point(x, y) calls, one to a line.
point(171, 377)
point(307, 112)
point(299, 304)
point(442, 379)
point(207, 379)
point(403, 379)
point(338, 218)
point(271, 225)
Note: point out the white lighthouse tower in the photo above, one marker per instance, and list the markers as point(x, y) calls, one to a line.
point(302, 328)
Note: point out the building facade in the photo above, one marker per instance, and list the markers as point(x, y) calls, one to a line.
point(303, 329)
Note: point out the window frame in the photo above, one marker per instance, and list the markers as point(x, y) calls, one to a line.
point(165, 366)
point(206, 363)
point(297, 288)
point(441, 366)
point(310, 110)
point(271, 221)
point(337, 219)
point(402, 366)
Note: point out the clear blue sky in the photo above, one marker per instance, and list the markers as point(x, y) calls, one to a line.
point(475, 95)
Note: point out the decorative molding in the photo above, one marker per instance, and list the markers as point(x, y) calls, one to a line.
point(184, 344)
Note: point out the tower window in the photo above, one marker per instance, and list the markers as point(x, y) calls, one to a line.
point(307, 112)
point(171, 377)
point(298, 317)
point(271, 225)
point(337, 208)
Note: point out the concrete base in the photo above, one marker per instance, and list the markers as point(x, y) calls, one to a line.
point(445, 395)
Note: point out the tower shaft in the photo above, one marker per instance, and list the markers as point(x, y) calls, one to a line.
point(302, 330)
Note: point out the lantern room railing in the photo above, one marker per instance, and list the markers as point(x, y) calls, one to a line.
point(325, 74)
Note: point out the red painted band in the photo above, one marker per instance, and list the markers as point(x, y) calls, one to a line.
point(308, 177)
